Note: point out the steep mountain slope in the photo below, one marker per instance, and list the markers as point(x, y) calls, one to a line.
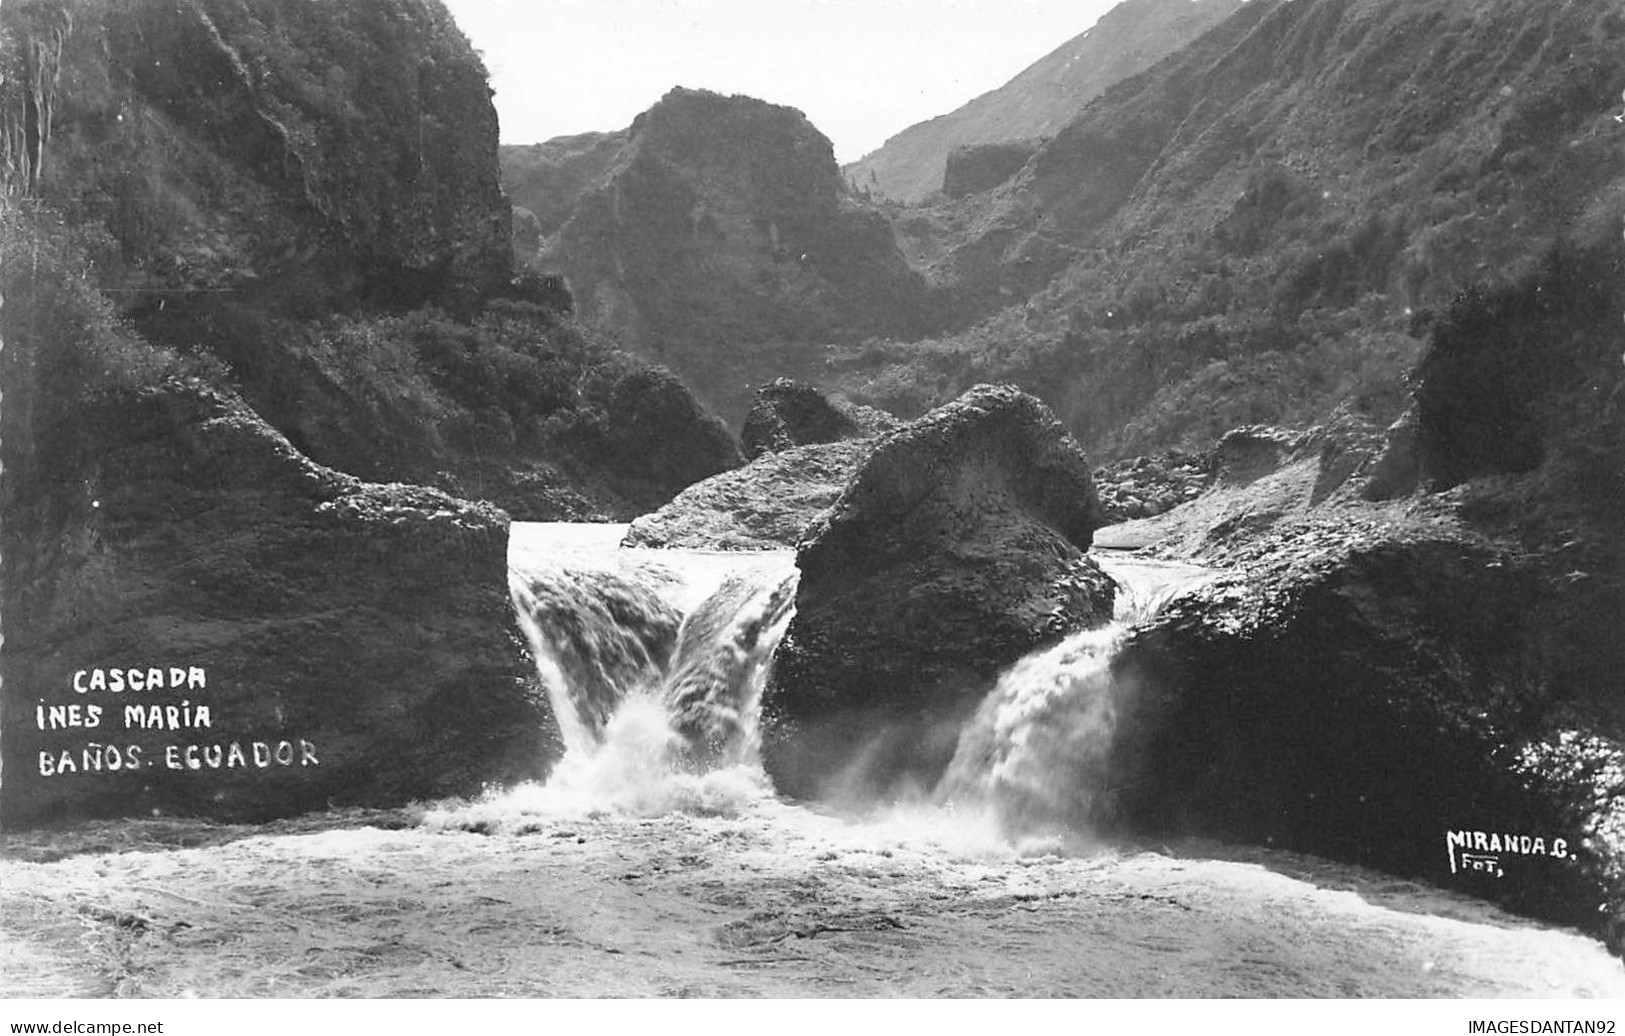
point(156, 155)
point(1043, 98)
point(722, 242)
point(545, 179)
point(275, 183)
point(1256, 228)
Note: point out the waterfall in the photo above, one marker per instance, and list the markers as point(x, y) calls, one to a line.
point(1034, 759)
point(655, 662)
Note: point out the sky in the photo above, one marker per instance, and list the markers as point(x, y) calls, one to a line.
point(861, 70)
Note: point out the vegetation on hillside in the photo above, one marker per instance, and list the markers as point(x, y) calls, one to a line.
point(1263, 226)
point(1528, 370)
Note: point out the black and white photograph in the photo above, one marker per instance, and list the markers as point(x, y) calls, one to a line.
point(812, 499)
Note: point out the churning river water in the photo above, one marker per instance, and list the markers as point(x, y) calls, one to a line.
point(662, 743)
point(657, 860)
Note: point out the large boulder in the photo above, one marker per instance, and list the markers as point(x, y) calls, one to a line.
point(201, 620)
point(1380, 690)
point(652, 437)
point(956, 548)
point(789, 413)
point(768, 504)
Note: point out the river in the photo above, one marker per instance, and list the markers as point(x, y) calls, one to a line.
point(658, 861)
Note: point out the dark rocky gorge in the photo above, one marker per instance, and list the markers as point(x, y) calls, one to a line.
point(249, 383)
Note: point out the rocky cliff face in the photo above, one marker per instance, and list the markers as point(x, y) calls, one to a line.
point(312, 152)
point(1129, 38)
point(199, 619)
point(722, 243)
point(275, 184)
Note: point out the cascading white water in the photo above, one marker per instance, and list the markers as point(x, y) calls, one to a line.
point(655, 662)
point(1033, 761)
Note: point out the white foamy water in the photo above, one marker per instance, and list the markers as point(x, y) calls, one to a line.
point(655, 662)
point(660, 809)
point(1033, 762)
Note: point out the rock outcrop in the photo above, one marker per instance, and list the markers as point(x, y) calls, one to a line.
point(803, 449)
point(198, 617)
point(722, 243)
point(341, 642)
point(1244, 454)
point(768, 504)
point(1369, 690)
point(789, 413)
point(653, 437)
point(1425, 683)
point(317, 153)
point(955, 548)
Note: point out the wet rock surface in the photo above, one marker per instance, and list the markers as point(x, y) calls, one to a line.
point(1368, 688)
point(956, 548)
